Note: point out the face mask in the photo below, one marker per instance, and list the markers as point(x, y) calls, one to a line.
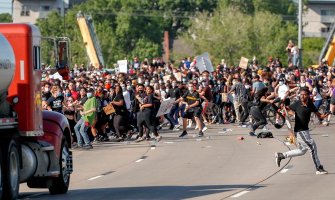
point(68, 94)
point(59, 94)
point(89, 95)
point(174, 84)
point(160, 82)
point(266, 83)
point(128, 87)
point(219, 83)
point(123, 88)
point(203, 84)
point(46, 89)
point(146, 84)
point(247, 87)
point(281, 83)
point(152, 84)
point(140, 91)
point(190, 89)
point(140, 81)
point(234, 82)
point(156, 87)
point(166, 90)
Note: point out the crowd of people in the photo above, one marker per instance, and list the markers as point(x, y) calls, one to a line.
point(136, 96)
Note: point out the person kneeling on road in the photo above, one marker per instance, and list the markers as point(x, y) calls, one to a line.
point(191, 103)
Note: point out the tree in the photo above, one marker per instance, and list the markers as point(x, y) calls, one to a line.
point(5, 18)
point(231, 33)
point(124, 26)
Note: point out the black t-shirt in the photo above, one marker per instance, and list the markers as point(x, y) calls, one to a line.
point(191, 98)
point(174, 93)
point(56, 104)
point(119, 109)
point(302, 115)
point(149, 99)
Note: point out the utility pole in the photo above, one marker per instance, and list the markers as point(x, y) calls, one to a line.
point(300, 32)
point(12, 10)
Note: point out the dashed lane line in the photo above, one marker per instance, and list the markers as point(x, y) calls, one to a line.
point(93, 178)
point(240, 194)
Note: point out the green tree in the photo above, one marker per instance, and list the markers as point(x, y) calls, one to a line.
point(230, 34)
point(5, 17)
point(124, 26)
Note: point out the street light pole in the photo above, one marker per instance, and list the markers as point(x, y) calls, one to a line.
point(300, 32)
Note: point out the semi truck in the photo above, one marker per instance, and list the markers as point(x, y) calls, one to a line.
point(34, 144)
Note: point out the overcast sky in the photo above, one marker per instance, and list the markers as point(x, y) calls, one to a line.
point(5, 6)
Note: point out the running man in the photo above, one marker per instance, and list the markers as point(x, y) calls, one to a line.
point(303, 109)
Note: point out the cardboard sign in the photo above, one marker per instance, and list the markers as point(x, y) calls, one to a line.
point(178, 76)
point(224, 97)
point(123, 66)
point(166, 78)
point(203, 63)
point(165, 107)
point(244, 63)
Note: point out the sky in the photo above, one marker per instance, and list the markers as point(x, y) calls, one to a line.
point(5, 6)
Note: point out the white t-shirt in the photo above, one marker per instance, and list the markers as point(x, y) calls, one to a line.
point(126, 97)
point(282, 91)
point(317, 95)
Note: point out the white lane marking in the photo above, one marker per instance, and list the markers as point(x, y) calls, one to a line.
point(283, 171)
point(21, 70)
point(152, 148)
point(96, 177)
point(198, 139)
point(168, 142)
point(139, 160)
point(240, 194)
point(324, 135)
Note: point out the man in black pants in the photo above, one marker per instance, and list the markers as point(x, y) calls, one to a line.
point(174, 92)
point(145, 117)
point(303, 109)
point(258, 104)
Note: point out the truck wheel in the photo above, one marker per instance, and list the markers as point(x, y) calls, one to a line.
point(60, 185)
point(11, 170)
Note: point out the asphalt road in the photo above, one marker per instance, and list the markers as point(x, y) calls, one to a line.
point(217, 166)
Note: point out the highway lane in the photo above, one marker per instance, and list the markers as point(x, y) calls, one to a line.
point(217, 166)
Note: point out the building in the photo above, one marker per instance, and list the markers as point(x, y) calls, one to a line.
point(28, 11)
point(318, 18)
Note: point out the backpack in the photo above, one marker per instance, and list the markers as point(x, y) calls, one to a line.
point(266, 134)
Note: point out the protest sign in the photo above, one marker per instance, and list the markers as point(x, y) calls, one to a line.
point(123, 66)
point(244, 63)
point(166, 107)
point(204, 63)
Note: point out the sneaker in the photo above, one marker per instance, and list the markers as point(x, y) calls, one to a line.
point(201, 134)
point(320, 170)
point(204, 129)
point(183, 134)
point(140, 139)
point(77, 146)
point(325, 123)
point(176, 127)
point(158, 138)
point(87, 146)
point(189, 124)
point(252, 133)
point(96, 140)
point(171, 127)
point(279, 157)
point(196, 127)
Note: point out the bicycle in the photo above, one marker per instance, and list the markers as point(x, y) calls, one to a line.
point(211, 113)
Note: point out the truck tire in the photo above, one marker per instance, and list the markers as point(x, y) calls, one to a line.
point(11, 169)
point(60, 185)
